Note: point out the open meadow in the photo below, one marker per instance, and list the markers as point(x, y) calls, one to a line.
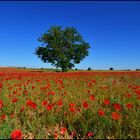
point(69, 70)
point(70, 105)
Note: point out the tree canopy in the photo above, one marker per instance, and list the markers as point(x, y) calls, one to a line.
point(62, 47)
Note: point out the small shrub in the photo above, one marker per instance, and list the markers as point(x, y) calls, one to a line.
point(89, 69)
point(111, 68)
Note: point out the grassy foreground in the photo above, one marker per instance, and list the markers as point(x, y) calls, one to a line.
point(97, 105)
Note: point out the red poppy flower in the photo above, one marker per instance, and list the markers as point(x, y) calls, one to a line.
point(14, 92)
point(85, 104)
point(106, 102)
point(44, 103)
point(72, 109)
point(63, 130)
point(25, 92)
point(59, 103)
point(0, 85)
point(65, 93)
point(10, 88)
point(104, 87)
point(55, 135)
point(93, 81)
point(52, 92)
point(115, 116)
point(22, 109)
point(129, 105)
point(16, 134)
point(1, 104)
point(92, 97)
point(33, 87)
point(3, 117)
point(12, 115)
point(101, 112)
point(117, 107)
point(90, 134)
point(71, 105)
point(89, 85)
point(129, 95)
point(137, 92)
point(114, 82)
point(72, 134)
point(139, 97)
point(15, 100)
point(31, 104)
point(49, 107)
point(129, 86)
point(88, 91)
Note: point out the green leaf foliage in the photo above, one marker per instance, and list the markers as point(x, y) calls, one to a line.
point(62, 47)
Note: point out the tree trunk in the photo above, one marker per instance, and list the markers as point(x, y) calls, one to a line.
point(64, 69)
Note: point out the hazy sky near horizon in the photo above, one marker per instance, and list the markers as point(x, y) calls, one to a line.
point(111, 28)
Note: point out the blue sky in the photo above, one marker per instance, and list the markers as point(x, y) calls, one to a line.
point(111, 28)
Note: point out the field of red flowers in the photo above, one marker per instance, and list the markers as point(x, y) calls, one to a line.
point(98, 105)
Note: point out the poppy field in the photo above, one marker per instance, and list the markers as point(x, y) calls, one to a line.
point(47, 105)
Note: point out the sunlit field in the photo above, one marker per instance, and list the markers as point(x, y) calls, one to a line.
point(88, 104)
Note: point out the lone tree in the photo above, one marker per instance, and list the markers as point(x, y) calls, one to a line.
point(62, 47)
